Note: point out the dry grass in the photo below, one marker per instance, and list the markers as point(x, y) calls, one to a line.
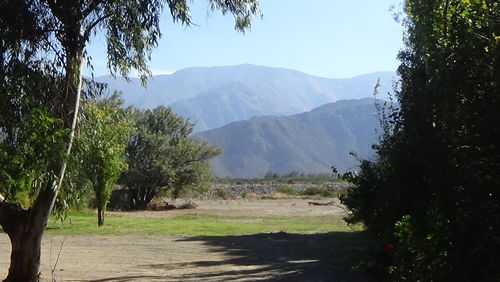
point(250, 196)
point(188, 204)
point(277, 196)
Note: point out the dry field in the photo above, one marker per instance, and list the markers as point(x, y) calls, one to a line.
point(256, 257)
point(245, 207)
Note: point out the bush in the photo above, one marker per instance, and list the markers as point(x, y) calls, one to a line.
point(320, 191)
point(221, 193)
point(432, 190)
point(249, 195)
point(290, 190)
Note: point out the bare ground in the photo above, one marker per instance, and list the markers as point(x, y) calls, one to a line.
point(249, 207)
point(270, 256)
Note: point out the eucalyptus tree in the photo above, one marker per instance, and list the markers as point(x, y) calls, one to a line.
point(42, 51)
point(162, 156)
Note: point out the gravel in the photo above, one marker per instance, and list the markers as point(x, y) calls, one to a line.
point(238, 190)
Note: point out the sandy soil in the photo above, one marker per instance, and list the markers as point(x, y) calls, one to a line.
point(271, 256)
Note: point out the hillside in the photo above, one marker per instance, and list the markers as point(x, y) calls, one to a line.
point(307, 142)
point(215, 96)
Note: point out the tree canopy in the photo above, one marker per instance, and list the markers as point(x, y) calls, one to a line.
point(100, 145)
point(162, 156)
point(42, 51)
point(433, 191)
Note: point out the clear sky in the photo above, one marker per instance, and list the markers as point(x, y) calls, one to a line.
point(328, 38)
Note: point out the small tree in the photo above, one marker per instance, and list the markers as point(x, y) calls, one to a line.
point(161, 155)
point(103, 135)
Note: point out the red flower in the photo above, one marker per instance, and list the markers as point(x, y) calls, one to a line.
point(388, 247)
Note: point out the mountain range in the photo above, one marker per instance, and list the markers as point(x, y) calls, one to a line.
point(215, 96)
point(269, 119)
point(312, 142)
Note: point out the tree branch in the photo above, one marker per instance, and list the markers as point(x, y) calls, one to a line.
point(10, 217)
point(89, 29)
point(56, 10)
point(91, 7)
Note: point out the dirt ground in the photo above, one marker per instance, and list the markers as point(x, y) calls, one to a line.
point(249, 207)
point(256, 257)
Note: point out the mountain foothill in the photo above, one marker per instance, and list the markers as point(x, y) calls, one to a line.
point(269, 119)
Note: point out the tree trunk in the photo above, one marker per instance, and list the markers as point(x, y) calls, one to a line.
point(25, 255)
point(25, 258)
point(26, 250)
point(141, 201)
point(100, 216)
point(25, 227)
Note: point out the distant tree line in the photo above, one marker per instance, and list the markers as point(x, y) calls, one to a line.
point(302, 176)
point(431, 198)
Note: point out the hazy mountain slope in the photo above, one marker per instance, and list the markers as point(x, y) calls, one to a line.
point(238, 101)
point(307, 142)
point(215, 96)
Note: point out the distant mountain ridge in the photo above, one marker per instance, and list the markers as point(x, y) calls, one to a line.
point(215, 96)
point(307, 142)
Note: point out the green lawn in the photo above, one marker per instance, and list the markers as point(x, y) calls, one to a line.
point(195, 225)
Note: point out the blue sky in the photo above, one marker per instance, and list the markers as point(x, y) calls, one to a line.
point(328, 38)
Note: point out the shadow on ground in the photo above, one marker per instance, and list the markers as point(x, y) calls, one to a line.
point(272, 257)
point(291, 257)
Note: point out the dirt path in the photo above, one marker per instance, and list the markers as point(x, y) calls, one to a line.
point(271, 256)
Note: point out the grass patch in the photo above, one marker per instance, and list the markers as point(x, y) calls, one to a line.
point(195, 225)
point(321, 191)
point(289, 190)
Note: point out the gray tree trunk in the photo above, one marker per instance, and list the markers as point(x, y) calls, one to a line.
point(25, 227)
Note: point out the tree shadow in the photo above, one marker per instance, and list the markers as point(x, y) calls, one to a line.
point(283, 256)
point(334, 256)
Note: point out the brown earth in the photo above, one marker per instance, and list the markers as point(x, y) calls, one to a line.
point(256, 257)
point(249, 207)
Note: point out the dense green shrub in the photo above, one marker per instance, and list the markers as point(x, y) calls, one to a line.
point(431, 197)
point(162, 155)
